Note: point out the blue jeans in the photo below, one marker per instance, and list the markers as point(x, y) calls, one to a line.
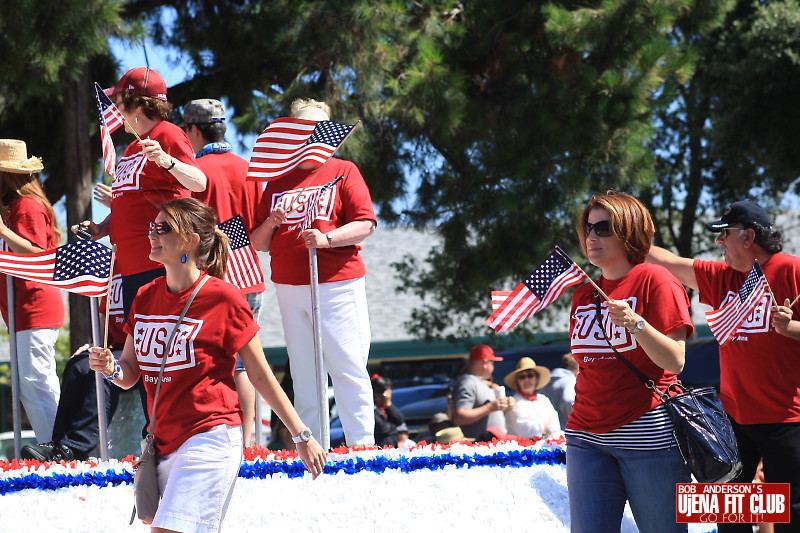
point(600, 479)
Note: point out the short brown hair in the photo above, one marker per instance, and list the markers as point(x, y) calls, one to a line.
point(629, 220)
point(153, 107)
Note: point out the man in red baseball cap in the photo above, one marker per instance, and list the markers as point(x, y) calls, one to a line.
point(479, 404)
point(142, 80)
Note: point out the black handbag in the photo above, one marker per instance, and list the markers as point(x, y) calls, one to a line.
point(700, 425)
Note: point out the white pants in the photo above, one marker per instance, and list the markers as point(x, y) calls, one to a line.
point(38, 382)
point(345, 347)
point(197, 481)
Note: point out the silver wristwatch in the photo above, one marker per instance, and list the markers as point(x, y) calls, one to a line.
point(638, 327)
point(303, 436)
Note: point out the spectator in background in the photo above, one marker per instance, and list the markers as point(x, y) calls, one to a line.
point(229, 194)
point(28, 225)
point(388, 418)
point(344, 218)
point(439, 421)
point(533, 414)
point(561, 389)
point(479, 404)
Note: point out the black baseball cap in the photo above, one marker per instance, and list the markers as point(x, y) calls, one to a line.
point(744, 212)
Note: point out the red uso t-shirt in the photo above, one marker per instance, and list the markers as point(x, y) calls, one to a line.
point(36, 306)
point(137, 190)
point(230, 194)
point(198, 391)
point(608, 394)
point(347, 201)
point(228, 190)
point(759, 382)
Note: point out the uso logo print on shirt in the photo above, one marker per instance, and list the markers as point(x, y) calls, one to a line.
point(587, 337)
point(758, 321)
point(298, 200)
point(152, 333)
point(128, 171)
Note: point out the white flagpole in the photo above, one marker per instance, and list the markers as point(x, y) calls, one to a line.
point(15, 393)
point(99, 386)
point(319, 364)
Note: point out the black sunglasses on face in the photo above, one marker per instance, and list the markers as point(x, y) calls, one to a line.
point(601, 228)
point(160, 227)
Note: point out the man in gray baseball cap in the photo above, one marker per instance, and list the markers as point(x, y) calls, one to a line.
point(229, 193)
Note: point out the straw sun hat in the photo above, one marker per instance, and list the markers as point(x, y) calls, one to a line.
point(14, 158)
point(526, 363)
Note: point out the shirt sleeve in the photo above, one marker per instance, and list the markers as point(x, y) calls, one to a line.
point(464, 395)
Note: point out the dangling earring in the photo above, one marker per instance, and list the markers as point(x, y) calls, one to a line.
point(184, 257)
point(136, 119)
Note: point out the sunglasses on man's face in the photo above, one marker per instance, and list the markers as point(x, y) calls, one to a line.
point(601, 228)
point(526, 376)
point(160, 228)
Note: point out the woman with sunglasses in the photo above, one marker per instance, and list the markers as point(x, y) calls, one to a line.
point(198, 432)
point(532, 415)
point(155, 169)
point(619, 436)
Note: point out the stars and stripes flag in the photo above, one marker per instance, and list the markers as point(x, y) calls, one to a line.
point(110, 120)
point(244, 268)
point(727, 319)
point(287, 142)
point(536, 292)
point(312, 204)
point(82, 267)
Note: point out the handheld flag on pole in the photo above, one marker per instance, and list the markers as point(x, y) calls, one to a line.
point(287, 142)
point(312, 204)
point(244, 268)
point(110, 120)
point(536, 292)
point(82, 267)
point(727, 319)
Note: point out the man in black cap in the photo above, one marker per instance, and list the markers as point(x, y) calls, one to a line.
point(760, 363)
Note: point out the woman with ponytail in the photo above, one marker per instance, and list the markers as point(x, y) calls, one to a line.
point(198, 433)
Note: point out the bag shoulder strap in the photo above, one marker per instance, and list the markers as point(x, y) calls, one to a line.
point(649, 383)
point(151, 433)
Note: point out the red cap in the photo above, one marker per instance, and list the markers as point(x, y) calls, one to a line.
point(481, 352)
point(142, 80)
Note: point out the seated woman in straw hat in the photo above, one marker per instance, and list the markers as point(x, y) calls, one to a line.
point(533, 415)
point(28, 225)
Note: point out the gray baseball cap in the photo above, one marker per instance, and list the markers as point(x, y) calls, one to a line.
point(204, 111)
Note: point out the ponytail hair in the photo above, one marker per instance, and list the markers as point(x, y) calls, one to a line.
point(188, 216)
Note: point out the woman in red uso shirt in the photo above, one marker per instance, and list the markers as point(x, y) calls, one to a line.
point(619, 436)
point(28, 225)
point(198, 428)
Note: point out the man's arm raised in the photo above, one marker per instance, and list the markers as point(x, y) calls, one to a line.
point(681, 267)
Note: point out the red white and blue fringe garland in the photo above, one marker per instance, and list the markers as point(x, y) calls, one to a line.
point(261, 463)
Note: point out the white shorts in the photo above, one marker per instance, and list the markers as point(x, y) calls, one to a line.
point(196, 481)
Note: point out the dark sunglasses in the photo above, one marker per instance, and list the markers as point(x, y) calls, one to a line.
point(724, 232)
point(601, 228)
point(526, 376)
point(160, 227)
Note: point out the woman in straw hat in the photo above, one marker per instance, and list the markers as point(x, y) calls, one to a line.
point(619, 436)
point(533, 415)
point(28, 225)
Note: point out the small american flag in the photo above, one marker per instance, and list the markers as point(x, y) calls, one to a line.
point(110, 120)
point(727, 319)
point(82, 267)
point(287, 142)
point(312, 204)
point(244, 268)
point(536, 292)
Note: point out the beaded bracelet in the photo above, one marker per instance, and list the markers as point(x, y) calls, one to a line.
point(117, 371)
